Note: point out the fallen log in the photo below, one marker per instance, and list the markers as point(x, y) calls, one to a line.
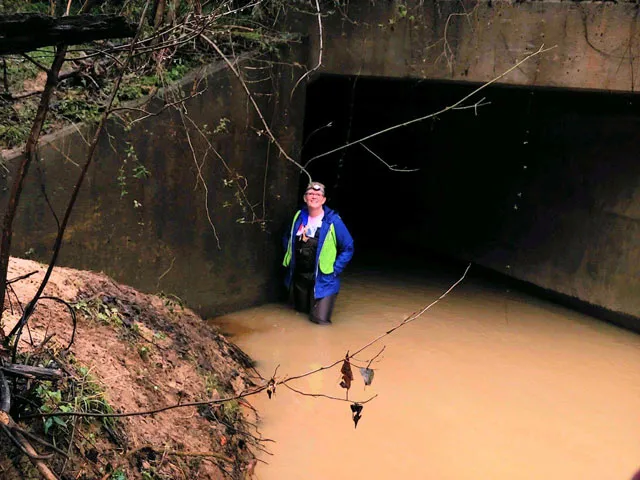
point(12, 431)
point(5, 394)
point(24, 32)
point(32, 372)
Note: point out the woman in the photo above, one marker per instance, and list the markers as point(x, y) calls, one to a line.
point(319, 246)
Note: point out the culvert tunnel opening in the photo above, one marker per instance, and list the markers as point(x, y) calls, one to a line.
point(509, 179)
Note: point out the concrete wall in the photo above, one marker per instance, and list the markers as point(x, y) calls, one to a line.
point(157, 237)
point(595, 44)
point(581, 234)
point(557, 199)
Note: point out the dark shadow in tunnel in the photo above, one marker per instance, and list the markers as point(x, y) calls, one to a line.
point(486, 174)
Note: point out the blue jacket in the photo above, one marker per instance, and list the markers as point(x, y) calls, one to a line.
point(338, 240)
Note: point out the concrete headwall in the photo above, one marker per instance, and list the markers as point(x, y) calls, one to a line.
point(160, 236)
point(595, 44)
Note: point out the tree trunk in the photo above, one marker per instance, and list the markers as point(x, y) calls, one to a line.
point(23, 169)
point(23, 32)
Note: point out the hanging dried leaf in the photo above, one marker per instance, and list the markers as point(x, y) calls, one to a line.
point(356, 419)
point(356, 410)
point(347, 374)
point(271, 388)
point(367, 375)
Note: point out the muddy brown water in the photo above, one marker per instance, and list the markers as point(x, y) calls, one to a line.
point(490, 383)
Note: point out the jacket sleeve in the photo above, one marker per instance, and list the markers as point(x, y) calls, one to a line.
point(345, 246)
point(286, 237)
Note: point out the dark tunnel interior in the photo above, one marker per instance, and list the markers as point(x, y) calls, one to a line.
point(486, 173)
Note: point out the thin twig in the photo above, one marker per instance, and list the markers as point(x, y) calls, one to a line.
point(244, 201)
point(36, 63)
point(165, 272)
point(390, 167)
point(256, 108)
point(43, 190)
point(196, 454)
point(322, 395)
point(21, 277)
point(148, 412)
point(407, 320)
point(320, 50)
point(328, 125)
point(201, 179)
point(41, 441)
point(73, 316)
point(146, 114)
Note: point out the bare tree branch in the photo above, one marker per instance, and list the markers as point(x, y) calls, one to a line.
point(330, 397)
point(23, 169)
point(393, 168)
point(256, 108)
point(435, 114)
point(407, 320)
point(200, 178)
point(58, 242)
point(270, 385)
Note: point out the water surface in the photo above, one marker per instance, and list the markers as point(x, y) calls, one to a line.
point(488, 384)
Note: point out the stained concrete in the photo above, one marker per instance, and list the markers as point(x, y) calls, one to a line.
point(593, 45)
point(160, 236)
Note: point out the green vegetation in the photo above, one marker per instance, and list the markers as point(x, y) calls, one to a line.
point(118, 475)
point(27, 6)
point(97, 310)
point(81, 393)
point(171, 301)
point(90, 69)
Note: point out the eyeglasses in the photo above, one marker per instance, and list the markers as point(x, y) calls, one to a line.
point(314, 194)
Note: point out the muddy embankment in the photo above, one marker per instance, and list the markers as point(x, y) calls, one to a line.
point(131, 352)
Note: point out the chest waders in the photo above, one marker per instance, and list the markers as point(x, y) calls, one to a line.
point(303, 283)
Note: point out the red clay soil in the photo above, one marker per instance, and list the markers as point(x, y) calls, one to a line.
point(145, 352)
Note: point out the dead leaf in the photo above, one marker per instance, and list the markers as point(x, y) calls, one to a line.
point(356, 419)
point(347, 374)
point(367, 375)
point(356, 410)
point(271, 388)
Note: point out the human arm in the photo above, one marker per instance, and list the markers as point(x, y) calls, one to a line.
point(344, 246)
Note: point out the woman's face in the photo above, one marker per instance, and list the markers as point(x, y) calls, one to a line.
point(314, 199)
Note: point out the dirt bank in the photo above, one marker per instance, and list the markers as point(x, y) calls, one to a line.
point(131, 352)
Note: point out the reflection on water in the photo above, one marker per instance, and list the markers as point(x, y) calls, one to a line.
point(488, 384)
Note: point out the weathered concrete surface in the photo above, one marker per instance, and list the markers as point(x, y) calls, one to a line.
point(158, 237)
point(596, 44)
